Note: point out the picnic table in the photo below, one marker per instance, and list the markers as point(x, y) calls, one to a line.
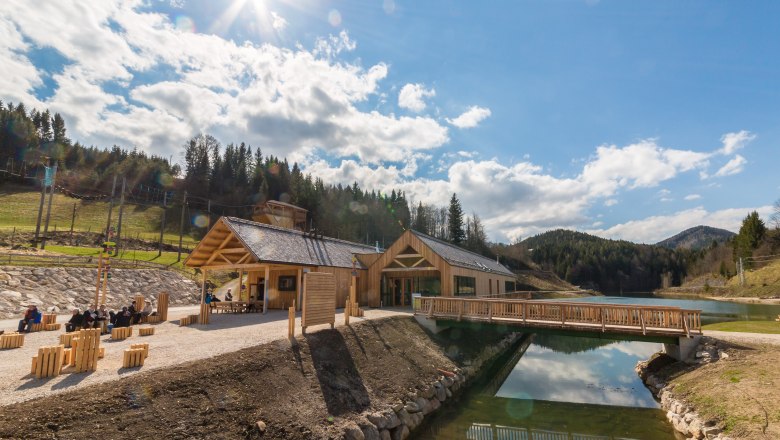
point(237, 306)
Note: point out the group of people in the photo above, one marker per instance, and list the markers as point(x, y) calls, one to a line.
point(90, 318)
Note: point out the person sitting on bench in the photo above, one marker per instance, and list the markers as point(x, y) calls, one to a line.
point(123, 318)
point(229, 295)
point(76, 321)
point(147, 309)
point(25, 324)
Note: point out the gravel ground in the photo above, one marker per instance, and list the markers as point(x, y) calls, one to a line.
point(757, 338)
point(170, 345)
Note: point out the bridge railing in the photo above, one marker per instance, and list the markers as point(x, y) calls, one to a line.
point(564, 313)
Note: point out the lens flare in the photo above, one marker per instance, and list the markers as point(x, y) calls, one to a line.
point(334, 18)
point(200, 220)
point(185, 24)
point(520, 406)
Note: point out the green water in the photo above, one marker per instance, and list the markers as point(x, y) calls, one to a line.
point(557, 388)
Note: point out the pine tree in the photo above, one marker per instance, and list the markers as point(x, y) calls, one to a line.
point(751, 233)
point(456, 233)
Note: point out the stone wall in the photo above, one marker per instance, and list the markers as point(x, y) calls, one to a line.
point(396, 422)
point(68, 288)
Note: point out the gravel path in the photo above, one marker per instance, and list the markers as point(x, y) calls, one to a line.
point(757, 338)
point(170, 345)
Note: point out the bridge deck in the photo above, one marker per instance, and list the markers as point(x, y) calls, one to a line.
point(613, 318)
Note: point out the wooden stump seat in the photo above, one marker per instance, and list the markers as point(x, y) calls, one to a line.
point(154, 319)
point(118, 333)
point(52, 326)
point(37, 327)
point(11, 340)
point(162, 306)
point(188, 320)
point(146, 331)
point(48, 318)
point(48, 362)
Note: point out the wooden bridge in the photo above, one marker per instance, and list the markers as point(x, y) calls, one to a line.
point(577, 316)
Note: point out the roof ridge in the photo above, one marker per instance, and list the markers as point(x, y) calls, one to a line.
point(294, 231)
point(454, 245)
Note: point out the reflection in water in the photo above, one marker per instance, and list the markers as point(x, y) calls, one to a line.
point(557, 387)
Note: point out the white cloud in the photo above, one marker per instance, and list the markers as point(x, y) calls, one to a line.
point(610, 202)
point(734, 166)
point(471, 117)
point(692, 197)
point(735, 141)
point(656, 228)
point(279, 23)
point(411, 97)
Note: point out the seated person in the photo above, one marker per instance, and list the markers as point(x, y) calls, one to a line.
point(102, 314)
point(30, 315)
point(76, 321)
point(112, 317)
point(89, 318)
point(208, 298)
point(147, 309)
point(229, 295)
point(123, 318)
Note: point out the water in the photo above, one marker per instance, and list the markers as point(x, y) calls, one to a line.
point(571, 388)
point(712, 311)
point(557, 387)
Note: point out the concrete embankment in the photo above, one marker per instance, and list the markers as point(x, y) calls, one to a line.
point(68, 288)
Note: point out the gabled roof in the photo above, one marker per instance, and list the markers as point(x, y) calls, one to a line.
point(458, 256)
point(280, 245)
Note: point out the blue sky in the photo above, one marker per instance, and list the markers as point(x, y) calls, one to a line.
point(630, 120)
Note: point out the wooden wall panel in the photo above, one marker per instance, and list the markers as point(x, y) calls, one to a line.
point(319, 299)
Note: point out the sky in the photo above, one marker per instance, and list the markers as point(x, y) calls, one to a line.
point(627, 120)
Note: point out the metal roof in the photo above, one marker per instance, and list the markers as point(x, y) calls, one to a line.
point(282, 245)
point(458, 256)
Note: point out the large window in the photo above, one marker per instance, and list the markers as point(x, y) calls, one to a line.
point(465, 286)
point(287, 283)
point(509, 286)
point(427, 286)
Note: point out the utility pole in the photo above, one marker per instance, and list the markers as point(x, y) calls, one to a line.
point(48, 210)
point(72, 221)
point(40, 208)
point(181, 223)
point(110, 208)
point(162, 223)
point(121, 209)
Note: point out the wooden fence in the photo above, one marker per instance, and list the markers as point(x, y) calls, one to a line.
point(564, 314)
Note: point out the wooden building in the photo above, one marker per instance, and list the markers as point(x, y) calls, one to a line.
point(282, 214)
point(271, 261)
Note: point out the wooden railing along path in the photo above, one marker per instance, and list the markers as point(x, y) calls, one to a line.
point(616, 318)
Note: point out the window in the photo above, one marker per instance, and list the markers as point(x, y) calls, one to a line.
point(509, 286)
point(465, 286)
point(287, 283)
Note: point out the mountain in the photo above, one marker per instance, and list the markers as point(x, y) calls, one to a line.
point(698, 237)
point(606, 265)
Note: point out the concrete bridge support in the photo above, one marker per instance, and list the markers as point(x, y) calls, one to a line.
point(684, 349)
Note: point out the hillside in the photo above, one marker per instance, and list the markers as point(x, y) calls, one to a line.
point(605, 265)
point(697, 237)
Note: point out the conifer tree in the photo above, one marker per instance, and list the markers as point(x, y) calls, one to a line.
point(456, 233)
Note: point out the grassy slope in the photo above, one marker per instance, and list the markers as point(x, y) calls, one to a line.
point(770, 327)
point(764, 281)
point(167, 258)
point(19, 209)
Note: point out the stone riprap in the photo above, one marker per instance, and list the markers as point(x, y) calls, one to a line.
point(68, 288)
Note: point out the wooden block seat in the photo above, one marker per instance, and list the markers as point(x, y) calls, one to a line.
point(11, 340)
point(118, 333)
point(188, 320)
point(48, 362)
point(48, 318)
point(52, 327)
point(153, 319)
point(37, 327)
point(86, 350)
point(146, 331)
point(67, 338)
point(133, 357)
point(143, 346)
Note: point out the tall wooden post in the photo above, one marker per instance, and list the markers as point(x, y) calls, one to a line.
point(181, 223)
point(121, 211)
point(162, 223)
point(99, 273)
point(300, 288)
point(240, 290)
point(48, 209)
point(265, 288)
point(203, 288)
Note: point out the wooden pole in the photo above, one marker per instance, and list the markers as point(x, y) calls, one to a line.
point(162, 223)
point(291, 322)
point(119, 221)
point(48, 209)
point(203, 288)
point(97, 284)
point(240, 290)
point(265, 288)
point(40, 208)
point(181, 223)
point(300, 287)
point(347, 310)
point(353, 295)
point(110, 208)
point(72, 221)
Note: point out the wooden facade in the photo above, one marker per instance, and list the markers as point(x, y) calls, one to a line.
point(271, 265)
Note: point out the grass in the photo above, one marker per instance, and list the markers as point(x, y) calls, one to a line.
point(167, 258)
point(19, 209)
point(763, 281)
point(769, 327)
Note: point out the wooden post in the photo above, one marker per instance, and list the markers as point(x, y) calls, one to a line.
point(265, 288)
point(97, 284)
point(347, 311)
point(291, 322)
point(300, 287)
point(353, 302)
point(162, 306)
point(240, 284)
point(139, 303)
point(203, 288)
point(205, 310)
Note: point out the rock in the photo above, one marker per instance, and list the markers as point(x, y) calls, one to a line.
point(404, 417)
point(391, 419)
point(385, 435)
point(723, 355)
point(447, 381)
point(412, 407)
point(353, 432)
point(427, 392)
point(711, 431)
point(400, 433)
point(441, 394)
point(261, 426)
point(370, 432)
point(398, 406)
point(448, 393)
point(11, 294)
point(435, 404)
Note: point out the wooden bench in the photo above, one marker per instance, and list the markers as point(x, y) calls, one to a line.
point(119, 333)
point(11, 340)
point(133, 357)
point(48, 362)
point(52, 327)
point(188, 320)
point(49, 318)
point(36, 327)
point(86, 350)
point(66, 338)
point(70, 360)
point(143, 346)
point(154, 319)
point(147, 331)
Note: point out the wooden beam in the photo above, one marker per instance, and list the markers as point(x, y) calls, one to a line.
point(408, 256)
point(234, 266)
point(266, 282)
point(244, 258)
point(237, 250)
point(399, 263)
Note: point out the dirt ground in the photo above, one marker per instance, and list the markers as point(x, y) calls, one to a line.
point(741, 391)
point(301, 391)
